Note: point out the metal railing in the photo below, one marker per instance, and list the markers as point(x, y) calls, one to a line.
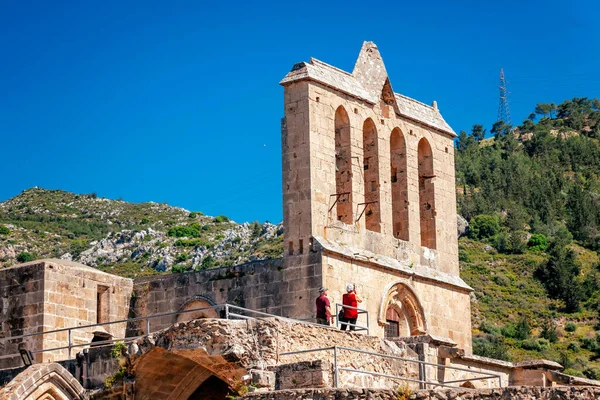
point(356, 327)
point(422, 375)
point(226, 311)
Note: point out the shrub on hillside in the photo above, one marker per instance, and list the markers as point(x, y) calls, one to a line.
point(192, 230)
point(534, 344)
point(592, 373)
point(538, 242)
point(490, 328)
point(570, 327)
point(221, 218)
point(490, 346)
point(484, 226)
point(574, 347)
point(24, 257)
point(4, 230)
point(195, 214)
point(549, 331)
point(510, 242)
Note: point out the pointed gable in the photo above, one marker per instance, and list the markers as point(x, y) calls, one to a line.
point(369, 69)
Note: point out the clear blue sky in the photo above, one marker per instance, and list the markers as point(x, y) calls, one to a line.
point(179, 102)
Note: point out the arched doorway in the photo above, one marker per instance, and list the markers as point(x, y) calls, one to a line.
point(401, 312)
point(194, 303)
point(211, 389)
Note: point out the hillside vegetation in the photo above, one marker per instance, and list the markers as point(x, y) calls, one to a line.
point(532, 197)
point(126, 238)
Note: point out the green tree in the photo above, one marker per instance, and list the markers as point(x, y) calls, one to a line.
point(484, 226)
point(560, 276)
point(478, 132)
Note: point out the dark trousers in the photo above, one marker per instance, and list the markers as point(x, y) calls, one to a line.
point(348, 320)
point(323, 321)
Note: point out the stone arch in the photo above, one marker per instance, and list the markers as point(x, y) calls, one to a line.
point(426, 195)
point(197, 301)
point(399, 180)
point(49, 381)
point(343, 167)
point(401, 298)
point(195, 369)
point(371, 176)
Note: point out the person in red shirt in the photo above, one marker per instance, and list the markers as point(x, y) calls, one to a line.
point(323, 307)
point(350, 315)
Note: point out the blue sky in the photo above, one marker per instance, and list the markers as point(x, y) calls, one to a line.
point(179, 102)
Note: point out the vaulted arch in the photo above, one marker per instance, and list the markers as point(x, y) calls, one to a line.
point(401, 299)
point(399, 185)
point(426, 195)
point(195, 303)
point(343, 167)
point(371, 176)
point(48, 381)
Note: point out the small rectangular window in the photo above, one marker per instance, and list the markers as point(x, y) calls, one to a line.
point(291, 248)
point(300, 246)
point(392, 329)
point(373, 186)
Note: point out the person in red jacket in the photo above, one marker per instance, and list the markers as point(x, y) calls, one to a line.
point(350, 315)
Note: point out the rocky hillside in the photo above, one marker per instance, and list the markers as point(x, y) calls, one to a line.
point(124, 238)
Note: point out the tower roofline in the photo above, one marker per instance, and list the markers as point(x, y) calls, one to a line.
point(365, 83)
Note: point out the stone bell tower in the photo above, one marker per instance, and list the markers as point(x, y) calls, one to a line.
point(369, 196)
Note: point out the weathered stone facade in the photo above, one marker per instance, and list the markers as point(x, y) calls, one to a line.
point(48, 295)
point(368, 175)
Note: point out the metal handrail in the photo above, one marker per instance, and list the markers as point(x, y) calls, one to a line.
point(219, 307)
point(421, 366)
point(360, 311)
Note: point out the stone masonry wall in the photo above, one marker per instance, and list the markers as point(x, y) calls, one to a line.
point(269, 286)
point(51, 294)
point(513, 393)
point(322, 162)
point(447, 309)
point(21, 310)
point(74, 295)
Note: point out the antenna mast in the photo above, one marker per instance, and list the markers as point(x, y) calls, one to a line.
point(503, 111)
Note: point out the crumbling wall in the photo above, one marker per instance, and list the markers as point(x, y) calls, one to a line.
point(268, 286)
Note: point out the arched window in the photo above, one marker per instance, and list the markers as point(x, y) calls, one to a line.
point(399, 185)
point(426, 195)
point(343, 167)
point(371, 176)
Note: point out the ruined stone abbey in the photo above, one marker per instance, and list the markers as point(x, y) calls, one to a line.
point(368, 199)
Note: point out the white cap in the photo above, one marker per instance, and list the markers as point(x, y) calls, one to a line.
point(349, 287)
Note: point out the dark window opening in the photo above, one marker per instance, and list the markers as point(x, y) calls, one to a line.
point(392, 329)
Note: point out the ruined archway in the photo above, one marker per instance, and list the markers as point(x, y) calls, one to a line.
point(195, 303)
point(49, 381)
point(343, 167)
point(401, 299)
point(426, 195)
point(371, 176)
point(399, 185)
